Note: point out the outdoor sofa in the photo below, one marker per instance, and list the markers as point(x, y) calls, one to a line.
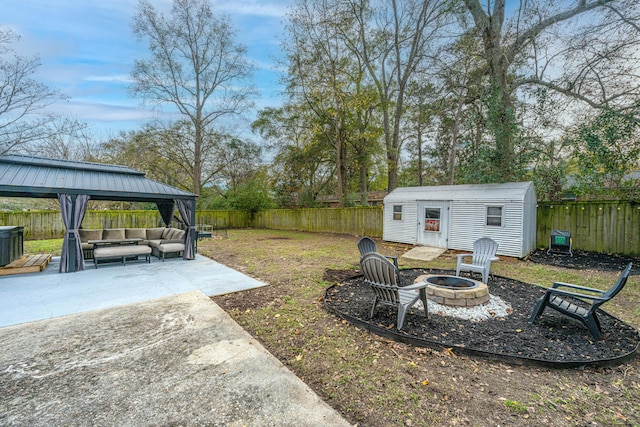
point(161, 240)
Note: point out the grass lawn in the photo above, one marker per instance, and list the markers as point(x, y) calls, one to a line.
point(376, 382)
point(51, 246)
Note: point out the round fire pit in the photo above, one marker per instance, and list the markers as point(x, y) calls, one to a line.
point(451, 282)
point(455, 291)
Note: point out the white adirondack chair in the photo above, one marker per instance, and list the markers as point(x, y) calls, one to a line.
point(484, 252)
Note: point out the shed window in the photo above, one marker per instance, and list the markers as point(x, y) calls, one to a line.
point(397, 212)
point(432, 219)
point(494, 216)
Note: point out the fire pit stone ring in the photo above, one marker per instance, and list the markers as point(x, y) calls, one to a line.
point(455, 291)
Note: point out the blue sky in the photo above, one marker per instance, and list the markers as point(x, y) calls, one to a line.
point(87, 52)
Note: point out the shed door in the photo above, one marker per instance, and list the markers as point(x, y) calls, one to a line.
point(433, 224)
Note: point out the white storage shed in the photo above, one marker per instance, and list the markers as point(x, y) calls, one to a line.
point(455, 216)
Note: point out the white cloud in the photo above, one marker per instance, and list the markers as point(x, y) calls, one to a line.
point(87, 51)
point(97, 111)
point(273, 9)
point(118, 78)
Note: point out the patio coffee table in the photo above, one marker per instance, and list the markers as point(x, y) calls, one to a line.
point(111, 242)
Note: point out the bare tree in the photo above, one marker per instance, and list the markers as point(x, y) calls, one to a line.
point(67, 138)
point(598, 59)
point(23, 99)
point(584, 49)
point(418, 121)
point(195, 65)
point(318, 62)
point(394, 40)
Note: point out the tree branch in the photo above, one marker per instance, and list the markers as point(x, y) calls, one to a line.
point(531, 33)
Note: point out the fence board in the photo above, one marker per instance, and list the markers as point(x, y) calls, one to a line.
point(610, 227)
point(356, 221)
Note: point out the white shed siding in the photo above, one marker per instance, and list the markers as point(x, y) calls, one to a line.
point(516, 237)
point(468, 224)
point(403, 231)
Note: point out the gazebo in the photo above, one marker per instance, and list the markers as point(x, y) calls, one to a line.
point(74, 183)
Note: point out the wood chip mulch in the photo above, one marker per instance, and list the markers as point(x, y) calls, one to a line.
point(553, 340)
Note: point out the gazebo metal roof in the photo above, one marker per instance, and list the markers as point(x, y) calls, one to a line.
point(29, 176)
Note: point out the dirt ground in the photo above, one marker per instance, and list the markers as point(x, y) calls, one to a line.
point(373, 381)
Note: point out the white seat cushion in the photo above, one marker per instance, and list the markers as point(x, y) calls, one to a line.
point(171, 247)
point(121, 250)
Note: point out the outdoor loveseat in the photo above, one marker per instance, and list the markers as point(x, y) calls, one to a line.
point(160, 240)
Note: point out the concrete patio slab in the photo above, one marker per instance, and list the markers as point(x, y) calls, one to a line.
point(424, 253)
point(48, 294)
point(179, 360)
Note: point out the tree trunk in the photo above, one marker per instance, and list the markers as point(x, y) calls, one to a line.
point(454, 142)
point(419, 138)
point(197, 160)
point(363, 171)
point(339, 162)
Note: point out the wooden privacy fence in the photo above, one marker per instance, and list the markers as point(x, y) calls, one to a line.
point(362, 221)
point(609, 227)
point(37, 224)
point(223, 219)
point(48, 224)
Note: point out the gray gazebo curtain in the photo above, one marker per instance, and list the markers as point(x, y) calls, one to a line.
point(166, 212)
point(187, 212)
point(72, 209)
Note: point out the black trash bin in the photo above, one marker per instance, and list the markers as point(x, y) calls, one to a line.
point(11, 244)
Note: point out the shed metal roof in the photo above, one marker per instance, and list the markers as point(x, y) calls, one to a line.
point(29, 176)
point(498, 192)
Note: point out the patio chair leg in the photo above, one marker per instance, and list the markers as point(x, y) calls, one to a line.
point(373, 309)
point(539, 308)
point(423, 298)
point(593, 324)
point(597, 322)
point(402, 311)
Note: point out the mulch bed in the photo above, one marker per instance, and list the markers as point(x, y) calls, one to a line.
point(553, 340)
point(583, 260)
